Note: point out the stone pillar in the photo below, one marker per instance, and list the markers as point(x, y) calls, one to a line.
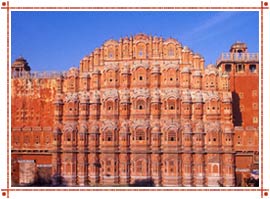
point(187, 169)
point(84, 82)
point(185, 78)
point(156, 173)
point(57, 144)
point(56, 157)
point(124, 156)
point(93, 168)
point(59, 82)
point(228, 173)
point(198, 169)
point(187, 156)
point(125, 76)
point(95, 80)
point(213, 170)
point(197, 80)
point(155, 105)
point(124, 168)
point(155, 76)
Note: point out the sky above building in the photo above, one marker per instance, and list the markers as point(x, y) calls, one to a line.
point(57, 40)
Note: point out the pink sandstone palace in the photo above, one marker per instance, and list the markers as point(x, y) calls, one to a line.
point(141, 111)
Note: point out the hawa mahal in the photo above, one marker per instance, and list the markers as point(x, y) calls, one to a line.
point(141, 111)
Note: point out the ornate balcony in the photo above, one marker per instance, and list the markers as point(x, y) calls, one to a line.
point(238, 57)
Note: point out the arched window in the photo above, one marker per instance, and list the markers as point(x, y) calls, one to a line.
point(139, 166)
point(140, 75)
point(170, 52)
point(109, 106)
point(240, 68)
point(215, 169)
point(125, 53)
point(68, 167)
point(140, 52)
point(228, 139)
point(171, 166)
point(252, 68)
point(171, 136)
point(110, 53)
point(108, 136)
point(140, 135)
point(68, 136)
point(171, 104)
point(140, 104)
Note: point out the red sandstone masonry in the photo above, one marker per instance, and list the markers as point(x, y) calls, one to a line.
point(138, 110)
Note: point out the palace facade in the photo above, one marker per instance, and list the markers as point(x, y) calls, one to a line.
point(141, 111)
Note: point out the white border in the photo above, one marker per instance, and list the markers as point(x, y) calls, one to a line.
point(138, 3)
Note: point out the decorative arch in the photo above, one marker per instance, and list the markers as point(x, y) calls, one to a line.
point(70, 133)
point(108, 136)
point(170, 165)
point(170, 74)
point(110, 49)
point(172, 103)
point(215, 168)
point(109, 130)
point(140, 130)
point(171, 135)
point(107, 166)
point(213, 105)
point(140, 134)
point(140, 50)
point(170, 93)
point(171, 132)
point(139, 166)
point(140, 74)
point(140, 99)
point(169, 49)
point(140, 103)
point(109, 106)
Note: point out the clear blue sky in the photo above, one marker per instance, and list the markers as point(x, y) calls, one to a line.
point(55, 41)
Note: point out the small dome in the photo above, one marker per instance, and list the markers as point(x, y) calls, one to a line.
point(211, 69)
point(125, 69)
point(185, 49)
point(155, 69)
point(186, 97)
point(196, 55)
point(198, 98)
point(125, 96)
point(228, 130)
point(96, 71)
point(226, 99)
point(73, 72)
point(156, 128)
point(239, 47)
point(185, 70)
point(85, 75)
point(20, 64)
point(197, 73)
